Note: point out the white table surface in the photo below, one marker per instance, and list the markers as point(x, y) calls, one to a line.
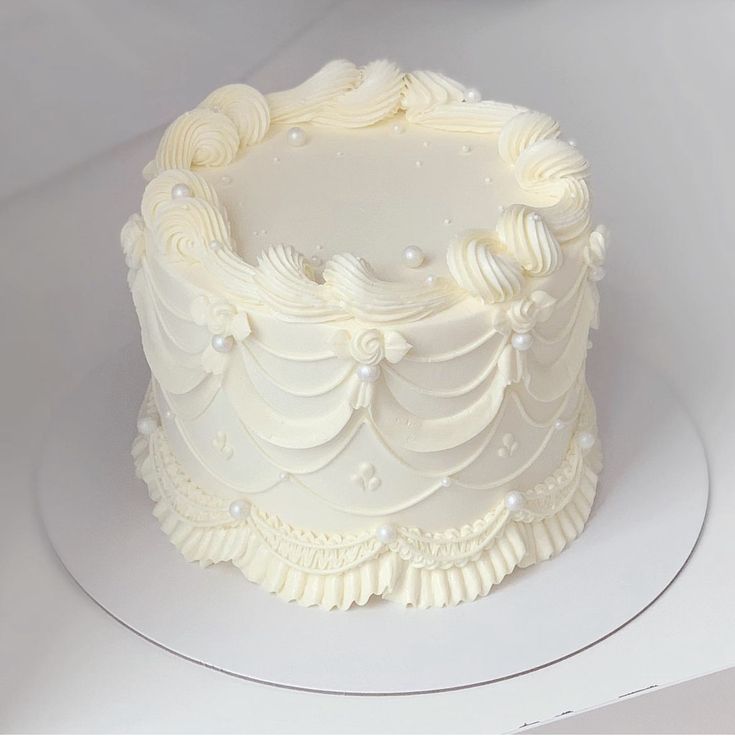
point(645, 88)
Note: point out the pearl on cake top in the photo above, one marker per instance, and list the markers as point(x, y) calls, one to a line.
point(446, 482)
point(368, 373)
point(296, 136)
point(239, 509)
point(521, 340)
point(473, 95)
point(585, 440)
point(514, 501)
point(180, 191)
point(385, 534)
point(412, 256)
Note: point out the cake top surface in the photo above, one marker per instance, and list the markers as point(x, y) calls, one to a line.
point(302, 203)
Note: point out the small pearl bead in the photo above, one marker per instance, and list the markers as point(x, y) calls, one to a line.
point(597, 273)
point(239, 509)
point(572, 143)
point(385, 534)
point(446, 482)
point(559, 424)
point(226, 179)
point(514, 501)
point(431, 280)
point(215, 245)
point(368, 373)
point(179, 191)
point(473, 95)
point(276, 160)
point(501, 209)
point(447, 220)
point(223, 343)
point(585, 440)
point(466, 148)
point(426, 144)
point(535, 217)
point(339, 154)
point(296, 136)
point(521, 340)
point(397, 128)
point(283, 476)
point(419, 164)
point(168, 414)
point(412, 256)
point(487, 180)
point(147, 425)
point(316, 261)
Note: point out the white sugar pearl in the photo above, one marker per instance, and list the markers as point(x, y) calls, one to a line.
point(473, 95)
point(597, 274)
point(316, 261)
point(585, 440)
point(168, 414)
point(412, 256)
point(223, 343)
point(514, 501)
point(181, 190)
point(466, 148)
point(521, 340)
point(535, 217)
point(419, 164)
point(431, 280)
point(147, 425)
point(447, 221)
point(296, 136)
point(397, 128)
point(215, 245)
point(559, 424)
point(283, 476)
point(572, 143)
point(239, 509)
point(385, 534)
point(368, 373)
point(226, 179)
point(446, 482)
point(276, 160)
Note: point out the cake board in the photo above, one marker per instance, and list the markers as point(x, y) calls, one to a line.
point(649, 511)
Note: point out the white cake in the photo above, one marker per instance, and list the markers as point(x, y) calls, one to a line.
point(365, 303)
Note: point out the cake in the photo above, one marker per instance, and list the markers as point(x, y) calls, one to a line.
point(365, 303)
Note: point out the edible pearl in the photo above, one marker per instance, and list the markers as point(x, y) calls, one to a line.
point(535, 217)
point(597, 273)
point(397, 128)
point(585, 440)
point(447, 220)
point(296, 136)
point(368, 373)
point(147, 425)
point(413, 256)
point(473, 95)
point(223, 343)
point(385, 534)
point(276, 160)
point(521, 340)
point(168, 414)
point(466, 148)
point(283, 476)
point(179, 191)
point(431, 280)
point(419, 164)
point(514, 501)
point(226, 179)
point(215, 245)
point(316, 261)
point(487, 180)
point(239, 509)
point(446, 482)
point(572, 143)
point(559, 424)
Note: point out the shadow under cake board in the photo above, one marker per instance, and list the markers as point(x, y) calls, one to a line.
point(651, 503)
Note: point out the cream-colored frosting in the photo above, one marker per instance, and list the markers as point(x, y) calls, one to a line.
point(300, 365)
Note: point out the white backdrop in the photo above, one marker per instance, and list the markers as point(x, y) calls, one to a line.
point(645, 89)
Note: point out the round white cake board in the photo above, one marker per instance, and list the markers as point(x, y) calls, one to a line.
point(649, 511)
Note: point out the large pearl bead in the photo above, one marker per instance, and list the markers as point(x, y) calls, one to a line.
point(223, 343)
point(239, 509)
point(473, 95)
point(296, 136)
point(413, 256)
point(368, 373)
point(147, 425)
point(181, 190)
point(385, 534)
point(521, 340)
point(585, 440)
point(514, 501)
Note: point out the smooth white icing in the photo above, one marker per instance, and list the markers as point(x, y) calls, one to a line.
point(301, 366)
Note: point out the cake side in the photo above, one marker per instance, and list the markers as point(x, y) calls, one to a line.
point(340, 403)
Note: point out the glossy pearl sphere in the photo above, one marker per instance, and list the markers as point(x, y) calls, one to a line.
point(239, 509)
point(585, 440)
point(521, 341)
point(147, 425)
point(283, 476)
point(597, 274)
point(473, 95)
point(215, 245)
point(223, 343)
point(431, 280)
point(368, 373)
point(385, 534)
point(446, 482)
point(296, 136)
point(397, 128)
point(168, 414)
point(514, 501)
point(412, 256)
point(179, 191)
point(559, 424)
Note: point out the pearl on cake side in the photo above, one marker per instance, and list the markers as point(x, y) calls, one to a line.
point(473, 95)
point(181, 191)
point(586, 440)
point(223, 343)
point(514, 501)
point(239, 509)
point(368, 373)
point(412, 256)
point(385, 534)
point(296, 137)
point(521, 341)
